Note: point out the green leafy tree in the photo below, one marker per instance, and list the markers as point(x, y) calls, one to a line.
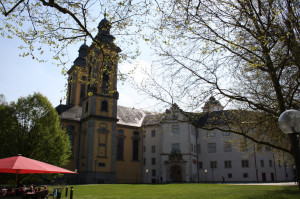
point(2, 99)
point(31, 127)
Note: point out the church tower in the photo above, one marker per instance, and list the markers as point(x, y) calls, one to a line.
point(99, 109)
point(77, 78)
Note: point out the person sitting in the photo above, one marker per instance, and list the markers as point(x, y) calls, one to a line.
point(4, 191)
point(38, 193)
point(31, 189)
point(45, 192)
point(23, 188)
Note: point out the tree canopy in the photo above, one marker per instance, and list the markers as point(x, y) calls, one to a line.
point(244, 53)
point(31, 127)
point(45, 26)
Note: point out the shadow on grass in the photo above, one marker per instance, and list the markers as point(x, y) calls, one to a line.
point(150, 184)
point(284, 192)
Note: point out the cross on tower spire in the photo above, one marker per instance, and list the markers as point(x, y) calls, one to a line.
point(105, 13)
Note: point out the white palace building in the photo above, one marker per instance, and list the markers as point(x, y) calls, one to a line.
point(174, 150)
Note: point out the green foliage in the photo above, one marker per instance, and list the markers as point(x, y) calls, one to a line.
point(31, 127)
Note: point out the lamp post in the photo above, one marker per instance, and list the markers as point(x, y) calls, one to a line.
point(289, 123)
point(147, 170)
point(205, 174)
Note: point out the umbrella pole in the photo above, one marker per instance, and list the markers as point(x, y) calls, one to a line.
point(16, 183)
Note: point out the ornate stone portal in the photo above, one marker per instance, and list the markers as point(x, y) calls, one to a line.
point(175, 157)
point(175, 163)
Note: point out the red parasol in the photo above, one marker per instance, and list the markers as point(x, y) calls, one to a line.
point(21, 165)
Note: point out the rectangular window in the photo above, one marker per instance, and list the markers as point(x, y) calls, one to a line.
point(262, 163)
point(211, 148)
point(213, 164)
point(175, 146)
point(198, 148)
point(153, 149)
point(200, 165)
point(153, 172)
point(153, 133)
point(270, 163)
point(245, 175)
point(227, 147)
point(175, 129)
point(153, 161)
point(144, 161)
point(192, 147)
point(229, 175)
point(245, 163)
point(101, 164)
point(227, 164)
point(268, 148)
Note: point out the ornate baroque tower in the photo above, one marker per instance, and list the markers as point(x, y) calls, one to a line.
point(77, 78)
point(93, 86)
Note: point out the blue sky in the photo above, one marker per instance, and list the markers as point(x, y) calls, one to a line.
point(21, 76)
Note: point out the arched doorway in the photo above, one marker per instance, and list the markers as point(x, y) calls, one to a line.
point(176, 173)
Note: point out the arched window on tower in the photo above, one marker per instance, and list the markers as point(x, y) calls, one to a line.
point(69, 90)
point(105, 83)
point(82, 94)
point(104, 106)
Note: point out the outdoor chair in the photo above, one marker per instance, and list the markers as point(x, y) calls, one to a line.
point(38, 195)
point(44, 194)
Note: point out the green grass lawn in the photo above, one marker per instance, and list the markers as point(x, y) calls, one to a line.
point(189, 191)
